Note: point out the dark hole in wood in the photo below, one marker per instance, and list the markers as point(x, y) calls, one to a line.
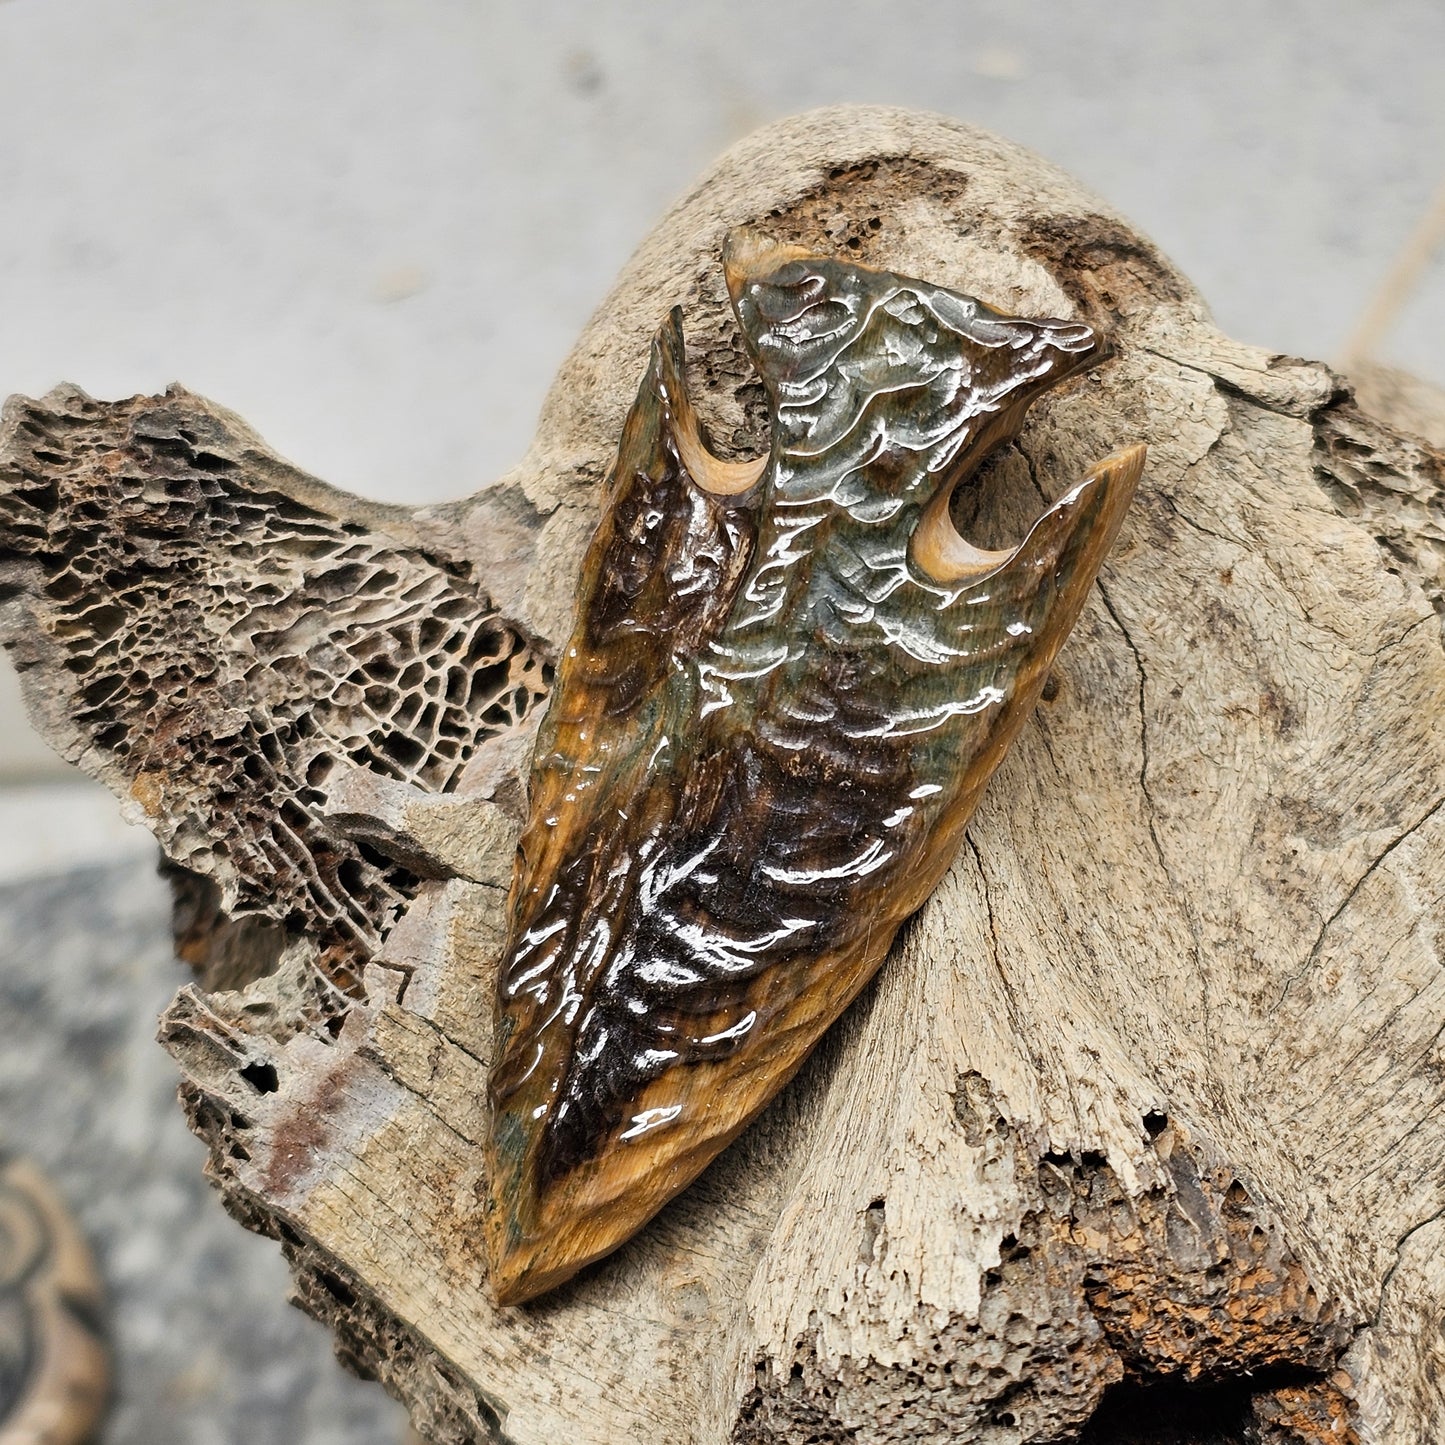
point(261, 1077)
point(336, 1287)
point(1174, 1412)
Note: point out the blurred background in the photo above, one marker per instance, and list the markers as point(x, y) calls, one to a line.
point(374, 228)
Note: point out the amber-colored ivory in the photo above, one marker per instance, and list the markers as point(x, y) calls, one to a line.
point(788, 684)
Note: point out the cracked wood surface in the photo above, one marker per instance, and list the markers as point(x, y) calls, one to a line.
point(1150, 1091)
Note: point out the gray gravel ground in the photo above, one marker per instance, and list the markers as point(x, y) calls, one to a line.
point(206, 1352)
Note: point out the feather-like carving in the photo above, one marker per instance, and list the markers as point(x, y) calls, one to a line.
point(787, 686)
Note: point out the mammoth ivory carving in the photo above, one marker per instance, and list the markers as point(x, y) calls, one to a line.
point(788, 684)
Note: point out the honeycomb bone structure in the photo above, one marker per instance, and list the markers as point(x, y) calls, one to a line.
point(237, 635)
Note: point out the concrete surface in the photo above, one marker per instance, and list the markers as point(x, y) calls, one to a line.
point(374, 227)
point(207, 1351)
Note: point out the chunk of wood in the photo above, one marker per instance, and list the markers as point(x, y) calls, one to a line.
point(1145, 1111)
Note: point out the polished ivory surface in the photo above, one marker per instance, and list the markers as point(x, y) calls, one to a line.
point(787, 686)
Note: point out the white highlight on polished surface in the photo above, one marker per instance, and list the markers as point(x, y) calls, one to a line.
point(650, 1119)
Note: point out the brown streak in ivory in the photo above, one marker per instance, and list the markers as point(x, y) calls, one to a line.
point(788, 684)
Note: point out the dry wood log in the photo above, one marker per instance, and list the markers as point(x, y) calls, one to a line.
point(1142, 1119)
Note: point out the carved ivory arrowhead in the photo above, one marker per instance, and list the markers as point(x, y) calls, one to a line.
point(787, 685)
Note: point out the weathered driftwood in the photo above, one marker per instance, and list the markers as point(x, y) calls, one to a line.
point(1148, 1100)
